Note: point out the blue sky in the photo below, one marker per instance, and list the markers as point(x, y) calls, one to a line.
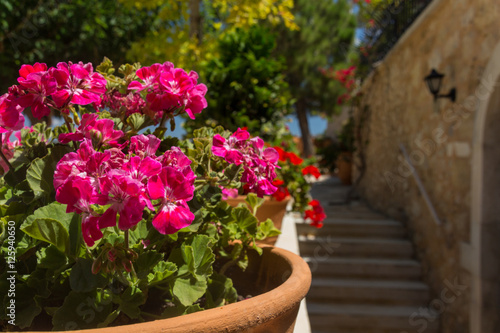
point(317, 126)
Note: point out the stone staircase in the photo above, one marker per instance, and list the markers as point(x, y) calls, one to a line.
point(365, 276)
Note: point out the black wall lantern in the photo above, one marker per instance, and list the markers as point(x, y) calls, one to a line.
point(433, 81)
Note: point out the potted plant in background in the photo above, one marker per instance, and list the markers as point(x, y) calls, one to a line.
point(105, 221)
point(346, 148)
point(293, 183)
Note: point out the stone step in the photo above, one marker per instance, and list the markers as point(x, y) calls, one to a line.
point(364, 268)
point(325, 247)
point(355, 228)
point(354, 318)
point(349, 291)
point(334, 212)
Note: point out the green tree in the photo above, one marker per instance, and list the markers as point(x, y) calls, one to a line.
point(246, 87)
point(54, 30)
point(324, 40)
point(188, 31)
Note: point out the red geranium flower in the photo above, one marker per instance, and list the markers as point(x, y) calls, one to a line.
point(282, 192)
point(316, 214)
point(294, 158)
point(311, 170)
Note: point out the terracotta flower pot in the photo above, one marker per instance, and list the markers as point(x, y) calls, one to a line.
point(270, 209)
point(344, 167)
point(282, 278)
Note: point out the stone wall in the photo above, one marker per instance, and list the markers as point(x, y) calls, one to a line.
point(457, 38)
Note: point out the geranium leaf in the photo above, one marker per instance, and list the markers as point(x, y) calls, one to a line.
point(136, 120)
point(81, 278)
point(130, 300)
point(161, 271)
point(245, 219)
point(51, 258)
point(40, 176)
point(267, 229)
point(83, 310)
point(50, 231)
point(202, 255)
point(145, 263)
point(189, 290)
point(254, 201)
point(53, 221)
point(27, 308)
point(220, 291)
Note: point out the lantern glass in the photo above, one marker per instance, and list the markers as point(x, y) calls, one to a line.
point(433, 81)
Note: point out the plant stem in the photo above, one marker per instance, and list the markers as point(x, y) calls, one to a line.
point(3, 156)
point(227, 265)
point(163, 119)
point(126, 239)
point(68, 125)
point(151, 315)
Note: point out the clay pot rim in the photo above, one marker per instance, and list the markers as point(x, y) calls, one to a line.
point(240, 315)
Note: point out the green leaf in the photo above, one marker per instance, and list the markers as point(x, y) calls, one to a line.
point(105, 67)
point(245, 219)
point(27, 305)
point(83, 311)
point(130, 301)
point(267, 229)
point(145, 263)
point(220, 291)
point(136, 120)
point(161, 272)
point(189, 290)
point(254, 201)
point(50, 223)
point(203, 255)
point(40, 176)
point(195, 256)
point(51, 258)
point(50, 231)
point(81, 278)
point(174, 311)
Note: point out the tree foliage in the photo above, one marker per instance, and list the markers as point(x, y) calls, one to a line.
point(246, 87)
point(54, 30)
point(324, 39)
point(186, 41)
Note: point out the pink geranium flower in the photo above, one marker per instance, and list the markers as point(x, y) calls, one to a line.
point(125, 195)
point(78, 84)
point(194, 100)
point(11, 117)
point(142, 169)
point(37, 87)
point(100, 131)
point(73, 164)
point(171, 187)
point(230, 149)
point(170, 89)
point(149, 75)
point(144, 145)
point(176, 158)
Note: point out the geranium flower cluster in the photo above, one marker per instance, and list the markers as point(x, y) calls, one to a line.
point(170, 89)
point(42, 88)
point(311, 170)
point(285, 156)
point(346, 79)
point(258, 164)
point(124, 184)
point(316, 215)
